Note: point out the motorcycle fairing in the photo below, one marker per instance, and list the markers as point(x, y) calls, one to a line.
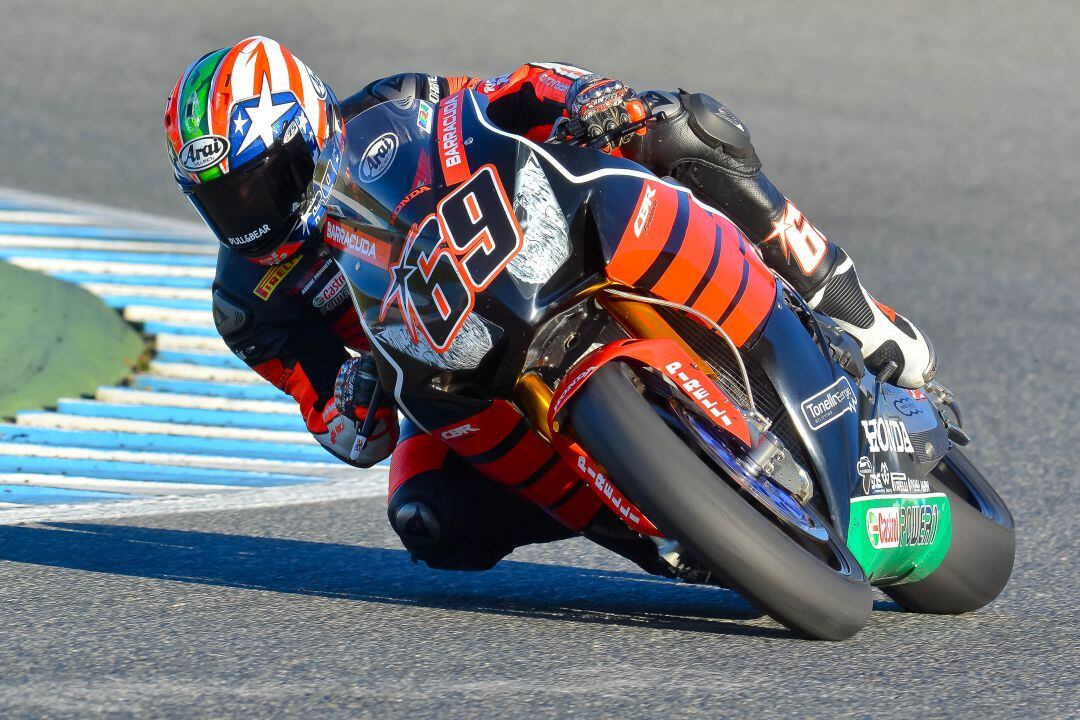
point(501, 445)
point(670, 361)
point(679, 250)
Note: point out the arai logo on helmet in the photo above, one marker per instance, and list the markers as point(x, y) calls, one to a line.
point(378, 157)
point(203, 152)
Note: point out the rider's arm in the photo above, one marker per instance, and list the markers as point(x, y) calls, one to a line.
point(528, 100)
point(302, 359)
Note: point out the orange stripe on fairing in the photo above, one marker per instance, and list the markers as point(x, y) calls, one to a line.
point(754, 304)
point(721, 288)
point(635, 252)
point(687, 267)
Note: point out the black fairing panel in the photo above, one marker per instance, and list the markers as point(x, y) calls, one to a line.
point(799, 368)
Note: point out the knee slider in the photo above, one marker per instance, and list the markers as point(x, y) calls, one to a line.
point(436, 525)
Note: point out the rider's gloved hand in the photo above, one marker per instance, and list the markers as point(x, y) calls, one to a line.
point(353, 390)
point(596, 105)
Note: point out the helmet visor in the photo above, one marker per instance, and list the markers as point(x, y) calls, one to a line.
point(254, 208)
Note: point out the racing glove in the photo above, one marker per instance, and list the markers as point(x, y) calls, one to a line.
point(353, 391)
point(596, 105)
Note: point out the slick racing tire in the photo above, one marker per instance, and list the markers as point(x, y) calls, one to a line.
point(980, 557)
point(690, 502)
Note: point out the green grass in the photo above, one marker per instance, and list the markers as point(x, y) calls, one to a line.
point(57, 340)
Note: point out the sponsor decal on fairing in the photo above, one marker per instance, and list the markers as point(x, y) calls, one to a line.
point(900, 537)
point(451, 147)
point(459, 431)
point(887, 481)
point(424, 115)
point(378, 157)
point(698, 392)
point(883, 527)
point(368, 249)
point(830, 404)
point(645, 213)
point(617, 499)
point(906, 526)
point(887, 434)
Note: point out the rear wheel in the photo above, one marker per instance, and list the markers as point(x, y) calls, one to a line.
point(980, 557)
point(791, 563)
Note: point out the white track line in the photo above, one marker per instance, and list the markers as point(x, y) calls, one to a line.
point(131, 487)
point(148, 291)
point(148, 313)
point(186, 371)
point(136, 246)
point(368, 484)
point(190, 343)
point(45, 218)
point(9, 505)
point(112, 268)
point(111, 215)
point(124, 396)
point(214, 462)
point(102, 424)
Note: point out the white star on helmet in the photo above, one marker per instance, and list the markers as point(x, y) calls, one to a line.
point(263, 116)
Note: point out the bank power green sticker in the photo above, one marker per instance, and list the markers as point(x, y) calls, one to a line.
point(900, 538)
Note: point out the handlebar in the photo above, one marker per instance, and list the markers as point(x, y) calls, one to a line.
point(570, 132)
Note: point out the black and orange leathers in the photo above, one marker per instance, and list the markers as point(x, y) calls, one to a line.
point(292, 323)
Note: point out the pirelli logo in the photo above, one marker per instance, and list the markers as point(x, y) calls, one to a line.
point(273, 278)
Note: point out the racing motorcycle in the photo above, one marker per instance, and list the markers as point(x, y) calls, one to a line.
point(637, 331)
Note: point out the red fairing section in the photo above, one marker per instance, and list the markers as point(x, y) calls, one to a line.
point(501, 445)
point(687, 253)
point(667, 357)
point(415, 455)
point(670, 359)
point(528, 100)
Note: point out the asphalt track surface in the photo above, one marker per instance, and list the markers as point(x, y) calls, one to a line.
point(938, 143)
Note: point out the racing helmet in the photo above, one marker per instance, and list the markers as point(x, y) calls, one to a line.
point(244, 127)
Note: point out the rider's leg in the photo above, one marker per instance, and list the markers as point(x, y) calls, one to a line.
point(704, 146)
point(451, 517)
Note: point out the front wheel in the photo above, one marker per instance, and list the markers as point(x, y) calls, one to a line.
point(690, 502)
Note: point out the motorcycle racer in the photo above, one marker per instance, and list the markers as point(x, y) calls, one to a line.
point(244, 127)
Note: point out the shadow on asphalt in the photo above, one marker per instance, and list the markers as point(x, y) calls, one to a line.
point(368, 574)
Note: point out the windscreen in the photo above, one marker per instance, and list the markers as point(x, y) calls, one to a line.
point(386, 169)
